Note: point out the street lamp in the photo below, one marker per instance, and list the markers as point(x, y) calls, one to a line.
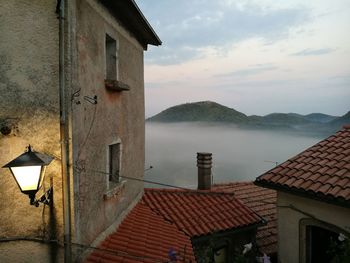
point(28, 170)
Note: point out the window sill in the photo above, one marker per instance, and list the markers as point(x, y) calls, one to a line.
point(116, 85)
point(116, 191)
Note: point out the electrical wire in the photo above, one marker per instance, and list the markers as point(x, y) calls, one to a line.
point(120, 253)
point(141, 180)
point(202, 218)
point(191, 191)
point(116, 252)
point(82, 146)
point(131, 255)
point(201, 192)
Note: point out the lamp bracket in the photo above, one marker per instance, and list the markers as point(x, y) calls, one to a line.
point(45, 198)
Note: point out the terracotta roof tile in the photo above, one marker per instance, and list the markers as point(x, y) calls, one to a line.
point(143, 236)
point(343, 181)
point(324, 167)
point(166, 219)
point(263, 202)
point(345, 193)
point(199, 213)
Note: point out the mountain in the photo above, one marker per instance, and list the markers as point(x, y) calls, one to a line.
point(208, 111)
point(283, 118)
point(319, 117)
point(345, 119)
point(204, 111)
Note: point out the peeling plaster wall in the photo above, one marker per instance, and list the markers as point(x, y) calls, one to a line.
point(29, 112)
point(289, 222)
point(117, 116)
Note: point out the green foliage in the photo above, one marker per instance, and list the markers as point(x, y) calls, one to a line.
point(340, 250)
point(242, 259)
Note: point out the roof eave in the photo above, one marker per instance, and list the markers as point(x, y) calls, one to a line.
point(130, 16)
point(201, 238)
point(302, 193)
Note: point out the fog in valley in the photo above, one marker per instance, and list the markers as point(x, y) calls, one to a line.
point(238, 155)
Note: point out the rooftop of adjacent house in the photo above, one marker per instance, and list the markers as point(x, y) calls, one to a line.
point(143, 236)
point(130, 16)
point(263, 202)
point(321, 171)
point(199, 213)
point(165, 220)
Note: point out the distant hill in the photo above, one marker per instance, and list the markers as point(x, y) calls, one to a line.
point(208, 111)
point(345, 119)
point(283, 118)
point(319, 117)
point(204, 111)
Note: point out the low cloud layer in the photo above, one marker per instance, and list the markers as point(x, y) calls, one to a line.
point(238, 155)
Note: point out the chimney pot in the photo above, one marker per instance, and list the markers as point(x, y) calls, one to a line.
point(204, 164)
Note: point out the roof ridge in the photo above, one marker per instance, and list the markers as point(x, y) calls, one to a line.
point(186, 191)
point(233, 183)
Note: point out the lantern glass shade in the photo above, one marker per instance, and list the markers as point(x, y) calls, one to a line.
point(28, 170)
point(28, 178)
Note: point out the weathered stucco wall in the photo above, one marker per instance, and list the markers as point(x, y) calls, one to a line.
point(117, 116)
point(29, 108)
point(30, 251)
point(29, 113)
point(289, 222)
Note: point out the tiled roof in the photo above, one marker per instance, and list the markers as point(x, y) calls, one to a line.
point(199, 213)
point(322, 171)
point(143, 236)
point(263, 202)
point(167, 219)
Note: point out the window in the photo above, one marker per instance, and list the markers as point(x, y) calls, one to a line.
point(111, 58)
point(319, 243)
point(114, 153)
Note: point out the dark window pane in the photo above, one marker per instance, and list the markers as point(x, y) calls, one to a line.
point(111, 58)
point(114, 162)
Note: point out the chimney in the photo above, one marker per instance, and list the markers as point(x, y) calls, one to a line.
point(204, 170)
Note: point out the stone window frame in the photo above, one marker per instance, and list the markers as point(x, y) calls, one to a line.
point(303, 224)
point(111, 38)
point(116, 189)
point(114, 161)
point(112, 80)
point(109, 183)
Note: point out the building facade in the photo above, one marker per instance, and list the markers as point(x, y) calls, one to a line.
point(83, 58)
point(313, 201)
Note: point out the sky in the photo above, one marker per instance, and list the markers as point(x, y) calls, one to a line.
point(256, 56)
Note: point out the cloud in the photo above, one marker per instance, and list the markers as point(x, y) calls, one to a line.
point(257, 69)
point(168, 56)
point(188, 27)
point(159, 85)
point(314, 52)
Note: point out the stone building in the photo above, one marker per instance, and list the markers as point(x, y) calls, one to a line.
point(72, 86)
point(313, 201)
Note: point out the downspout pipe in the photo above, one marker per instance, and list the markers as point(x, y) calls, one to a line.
point(64, 134)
